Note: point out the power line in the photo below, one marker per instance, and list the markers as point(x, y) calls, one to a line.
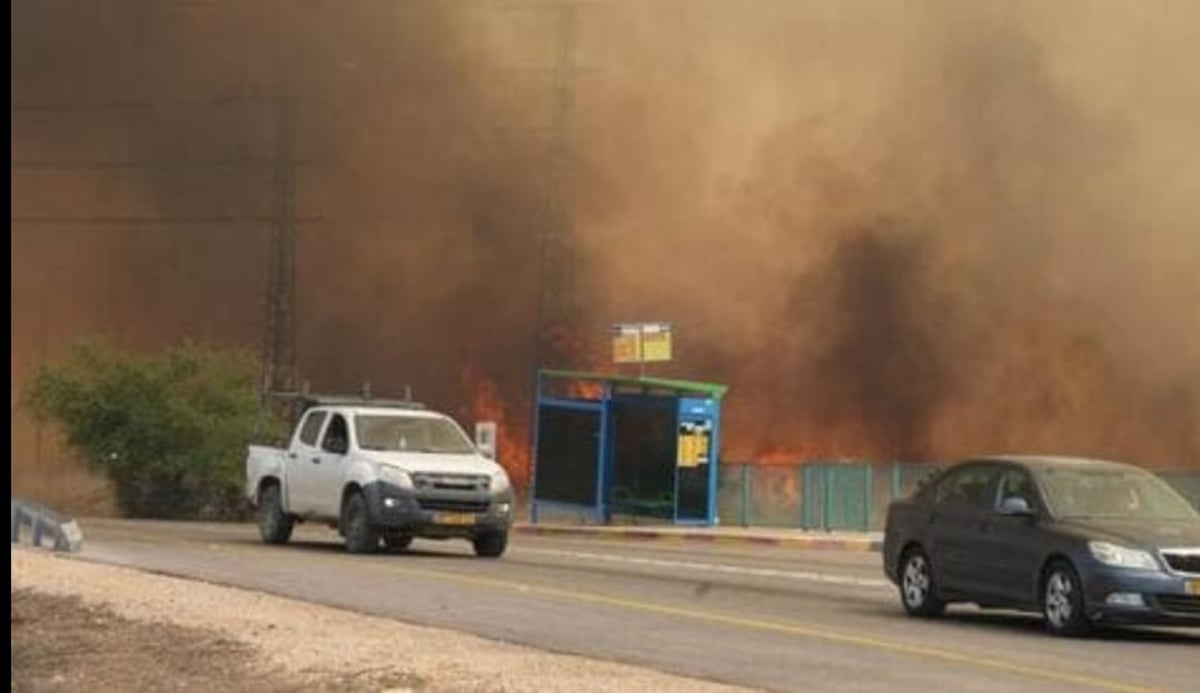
point(82, 164)
point(442, 5)
point(93, 221)
point(222, 101)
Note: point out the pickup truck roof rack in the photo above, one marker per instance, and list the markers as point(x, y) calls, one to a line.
point(336, 401)
point(308, 400)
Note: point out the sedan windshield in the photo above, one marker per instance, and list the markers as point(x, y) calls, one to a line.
point(1113, 493)
point(411, 434)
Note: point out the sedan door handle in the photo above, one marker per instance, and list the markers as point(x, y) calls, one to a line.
point(292, 455)
point(316, 460)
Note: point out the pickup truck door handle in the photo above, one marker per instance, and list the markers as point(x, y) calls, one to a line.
point(292, 455)
point(316, 460)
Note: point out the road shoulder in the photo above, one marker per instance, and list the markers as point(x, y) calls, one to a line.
point(272, 643)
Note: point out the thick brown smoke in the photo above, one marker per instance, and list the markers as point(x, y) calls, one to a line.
point(925, 230)
point(893, 229)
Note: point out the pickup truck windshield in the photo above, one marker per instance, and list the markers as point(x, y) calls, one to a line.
point(410, 434)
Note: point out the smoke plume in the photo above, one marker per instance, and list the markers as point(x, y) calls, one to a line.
point(894, 230)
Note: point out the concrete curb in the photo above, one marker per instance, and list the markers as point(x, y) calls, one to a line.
point(806, 541)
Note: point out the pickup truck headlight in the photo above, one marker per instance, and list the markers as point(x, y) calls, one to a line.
point(1121, 556)
point(394, 476)
point(499, 481)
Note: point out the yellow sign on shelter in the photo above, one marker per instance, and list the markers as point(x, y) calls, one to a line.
point(693, 444)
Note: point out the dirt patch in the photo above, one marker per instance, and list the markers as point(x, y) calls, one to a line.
point(61, 644)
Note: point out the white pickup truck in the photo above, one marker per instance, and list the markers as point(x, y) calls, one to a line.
point(380, 471)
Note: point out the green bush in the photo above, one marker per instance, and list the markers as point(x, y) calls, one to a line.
point(169, 429)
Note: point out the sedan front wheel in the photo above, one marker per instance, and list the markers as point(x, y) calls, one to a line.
point(1062, 601)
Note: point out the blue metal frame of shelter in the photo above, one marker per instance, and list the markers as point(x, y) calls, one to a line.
point(704, 398)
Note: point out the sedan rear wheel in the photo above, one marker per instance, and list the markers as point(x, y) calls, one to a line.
point(918, 589)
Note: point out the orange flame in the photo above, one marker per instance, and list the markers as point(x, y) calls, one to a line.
point(776, 456)
point(512, 438)
point(585, 389)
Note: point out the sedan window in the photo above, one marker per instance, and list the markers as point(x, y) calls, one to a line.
point(1016, 483)
point(970, 486)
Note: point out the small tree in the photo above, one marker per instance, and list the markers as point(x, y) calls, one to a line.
point(168, 429)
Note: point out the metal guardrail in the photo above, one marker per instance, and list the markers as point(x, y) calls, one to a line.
point(44, 522)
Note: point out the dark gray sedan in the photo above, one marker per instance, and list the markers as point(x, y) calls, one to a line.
point(1082, 541)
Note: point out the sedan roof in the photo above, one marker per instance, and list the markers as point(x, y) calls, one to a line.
point(1043, 461)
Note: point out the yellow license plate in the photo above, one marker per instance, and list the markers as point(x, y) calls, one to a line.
point(1193, 587)
point(454, 519)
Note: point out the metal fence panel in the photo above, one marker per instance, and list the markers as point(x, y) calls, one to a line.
point(732, 492)
point(882, 490)
point(814, 502)
point(824, 496)
point(774, 496)
point(837, 497)
point(848, 494)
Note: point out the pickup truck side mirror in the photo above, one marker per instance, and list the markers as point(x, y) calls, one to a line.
point(485, 438)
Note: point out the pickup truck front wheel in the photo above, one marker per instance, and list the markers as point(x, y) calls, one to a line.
point(396, 541)
point(274, 525)
point(361, 536)
point(490, 544)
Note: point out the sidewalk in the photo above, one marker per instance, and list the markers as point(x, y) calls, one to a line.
point(768, 536)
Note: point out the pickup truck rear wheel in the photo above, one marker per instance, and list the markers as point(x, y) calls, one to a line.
point(274, 525)
point(361, 537)
point(490, 544)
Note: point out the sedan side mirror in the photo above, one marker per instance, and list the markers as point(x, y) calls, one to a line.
point(1016, 506)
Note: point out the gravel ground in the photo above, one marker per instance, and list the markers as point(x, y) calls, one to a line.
point(78, 625)
point(60, 644)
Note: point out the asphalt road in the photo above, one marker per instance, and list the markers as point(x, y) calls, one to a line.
point(765, 617)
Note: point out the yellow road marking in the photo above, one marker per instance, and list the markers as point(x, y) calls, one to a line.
point(813, 632)
point(779, 627)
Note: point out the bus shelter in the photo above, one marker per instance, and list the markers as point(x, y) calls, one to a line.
point(614, 448)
